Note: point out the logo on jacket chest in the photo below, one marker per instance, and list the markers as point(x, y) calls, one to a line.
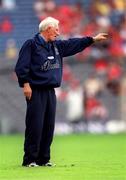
point(50, 57)
point(52, 62)
point(48, 66)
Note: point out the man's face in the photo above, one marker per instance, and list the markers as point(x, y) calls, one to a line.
point(53, 32)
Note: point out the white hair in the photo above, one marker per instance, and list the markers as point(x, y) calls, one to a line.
point(49, 21)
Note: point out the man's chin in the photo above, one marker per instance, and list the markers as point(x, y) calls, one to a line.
point(53, 39)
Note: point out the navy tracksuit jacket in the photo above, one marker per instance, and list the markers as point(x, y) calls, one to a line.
point(40, 64)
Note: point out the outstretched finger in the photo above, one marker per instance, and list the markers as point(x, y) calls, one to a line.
point(105, 34)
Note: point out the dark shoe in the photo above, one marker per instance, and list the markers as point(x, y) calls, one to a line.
point(33, 164)
point(49, 164)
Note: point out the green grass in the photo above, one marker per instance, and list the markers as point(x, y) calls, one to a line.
point(78, 157)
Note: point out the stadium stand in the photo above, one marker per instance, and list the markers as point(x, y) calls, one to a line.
point(90, 17)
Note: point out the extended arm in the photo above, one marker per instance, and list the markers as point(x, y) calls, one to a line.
point(75, 45)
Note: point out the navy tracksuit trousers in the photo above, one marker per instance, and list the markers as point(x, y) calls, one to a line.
point(40, 120)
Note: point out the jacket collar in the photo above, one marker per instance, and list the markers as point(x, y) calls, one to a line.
point(40, 40)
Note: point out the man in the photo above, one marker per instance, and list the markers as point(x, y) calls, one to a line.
point(39, 71)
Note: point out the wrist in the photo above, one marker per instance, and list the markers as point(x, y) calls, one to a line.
point(26, 84)
point(94, 39)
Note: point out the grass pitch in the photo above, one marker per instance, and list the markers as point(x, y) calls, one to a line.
point(78, 157)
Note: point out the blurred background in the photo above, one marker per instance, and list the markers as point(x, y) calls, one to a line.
point(92, 97)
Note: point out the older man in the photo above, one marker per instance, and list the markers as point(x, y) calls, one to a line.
point(39, 71)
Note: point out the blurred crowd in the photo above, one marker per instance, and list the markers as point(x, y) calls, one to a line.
point(99, 16)
point(107, 59)
point(81, 95)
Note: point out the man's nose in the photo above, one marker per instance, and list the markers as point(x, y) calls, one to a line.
point(57, 33)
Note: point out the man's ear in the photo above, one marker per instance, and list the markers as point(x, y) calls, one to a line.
point(48, 28)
